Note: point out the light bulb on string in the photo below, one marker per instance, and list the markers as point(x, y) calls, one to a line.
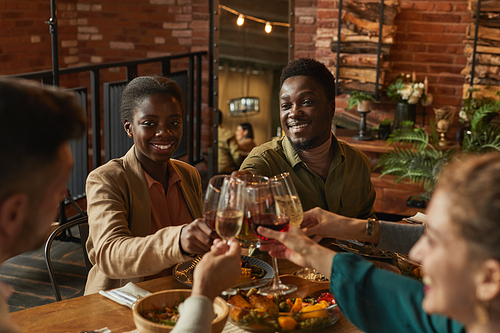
point(240, 20)
point(268, 27)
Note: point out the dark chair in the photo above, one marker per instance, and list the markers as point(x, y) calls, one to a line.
point(82, 223)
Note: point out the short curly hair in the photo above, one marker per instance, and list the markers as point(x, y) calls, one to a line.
point(313, 68)
point(143, 86)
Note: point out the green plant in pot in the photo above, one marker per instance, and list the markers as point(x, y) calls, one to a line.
point(361, 100)
point(407, 93)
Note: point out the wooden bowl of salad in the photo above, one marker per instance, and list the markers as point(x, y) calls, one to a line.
point(158, 312)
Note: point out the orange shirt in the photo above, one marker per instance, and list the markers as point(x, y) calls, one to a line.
point(167, 209)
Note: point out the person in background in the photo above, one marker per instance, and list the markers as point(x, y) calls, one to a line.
point(244, 136)
point(228, 153)
point(459, 253)
point(141, 206)
point(36, 124)
point(326, 172)
point(217, 271)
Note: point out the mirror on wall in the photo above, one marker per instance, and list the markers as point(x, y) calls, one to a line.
point(248, 61)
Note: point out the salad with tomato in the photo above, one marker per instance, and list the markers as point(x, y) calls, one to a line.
point(259, 313)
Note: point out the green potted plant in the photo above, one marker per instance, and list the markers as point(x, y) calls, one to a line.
point(361, 99)
point(407, 93)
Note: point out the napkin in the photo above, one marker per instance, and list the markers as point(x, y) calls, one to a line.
point(126, 295)
point(419, 218)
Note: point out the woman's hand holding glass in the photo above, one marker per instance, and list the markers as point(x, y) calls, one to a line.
point(296, 247)
point(196, 237)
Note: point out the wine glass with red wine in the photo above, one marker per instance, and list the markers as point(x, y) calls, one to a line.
point(264, 210)
point(231, 208)
point(212, 200)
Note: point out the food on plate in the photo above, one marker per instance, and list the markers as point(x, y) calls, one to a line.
point(364, 249)
point(311, 274)
point(256, 312)
point(240, 304)
point(408, 267)
point(250, 272)
point(162, 315)
point(262, 303)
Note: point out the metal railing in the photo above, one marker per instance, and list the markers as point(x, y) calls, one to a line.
point(116, 142)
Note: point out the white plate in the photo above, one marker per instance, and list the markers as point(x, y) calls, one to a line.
point(183, 271)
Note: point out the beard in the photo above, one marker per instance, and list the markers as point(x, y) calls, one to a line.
point(306, 145)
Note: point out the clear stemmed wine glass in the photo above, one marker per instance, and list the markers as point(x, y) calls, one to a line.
point(263, 210)
point(246, 237)
point(288, 198)
point(291, 200)
point(231, 208)
point(211, 201)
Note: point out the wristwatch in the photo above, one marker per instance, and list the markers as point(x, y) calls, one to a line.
point(369, 226)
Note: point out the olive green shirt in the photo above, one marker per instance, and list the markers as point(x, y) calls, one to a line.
point(347, 191)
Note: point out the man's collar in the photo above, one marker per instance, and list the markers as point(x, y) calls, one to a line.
point(290, 153)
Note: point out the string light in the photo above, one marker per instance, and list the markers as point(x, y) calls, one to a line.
point(241, 19)
point(268, 27)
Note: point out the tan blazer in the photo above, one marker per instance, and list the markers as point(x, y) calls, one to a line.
point(120, 244)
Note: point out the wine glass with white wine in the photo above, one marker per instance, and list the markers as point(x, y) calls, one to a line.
point(231, 208)
point(211, 202)
point(290, 199)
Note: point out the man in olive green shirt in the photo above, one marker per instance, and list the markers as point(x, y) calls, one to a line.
point(327, 173)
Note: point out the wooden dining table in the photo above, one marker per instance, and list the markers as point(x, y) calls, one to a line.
point(92, 312)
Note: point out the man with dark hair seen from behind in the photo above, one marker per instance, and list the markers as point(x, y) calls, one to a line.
point(327, 173)
point(35, 163)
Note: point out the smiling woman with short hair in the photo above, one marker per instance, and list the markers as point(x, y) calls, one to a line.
point(141, 206)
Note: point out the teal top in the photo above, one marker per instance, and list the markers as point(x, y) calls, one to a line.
point(376, 300)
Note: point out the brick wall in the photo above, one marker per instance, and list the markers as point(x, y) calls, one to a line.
point(103, 31)
point(428, 41)
point(24, 37)
point(306, 26)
